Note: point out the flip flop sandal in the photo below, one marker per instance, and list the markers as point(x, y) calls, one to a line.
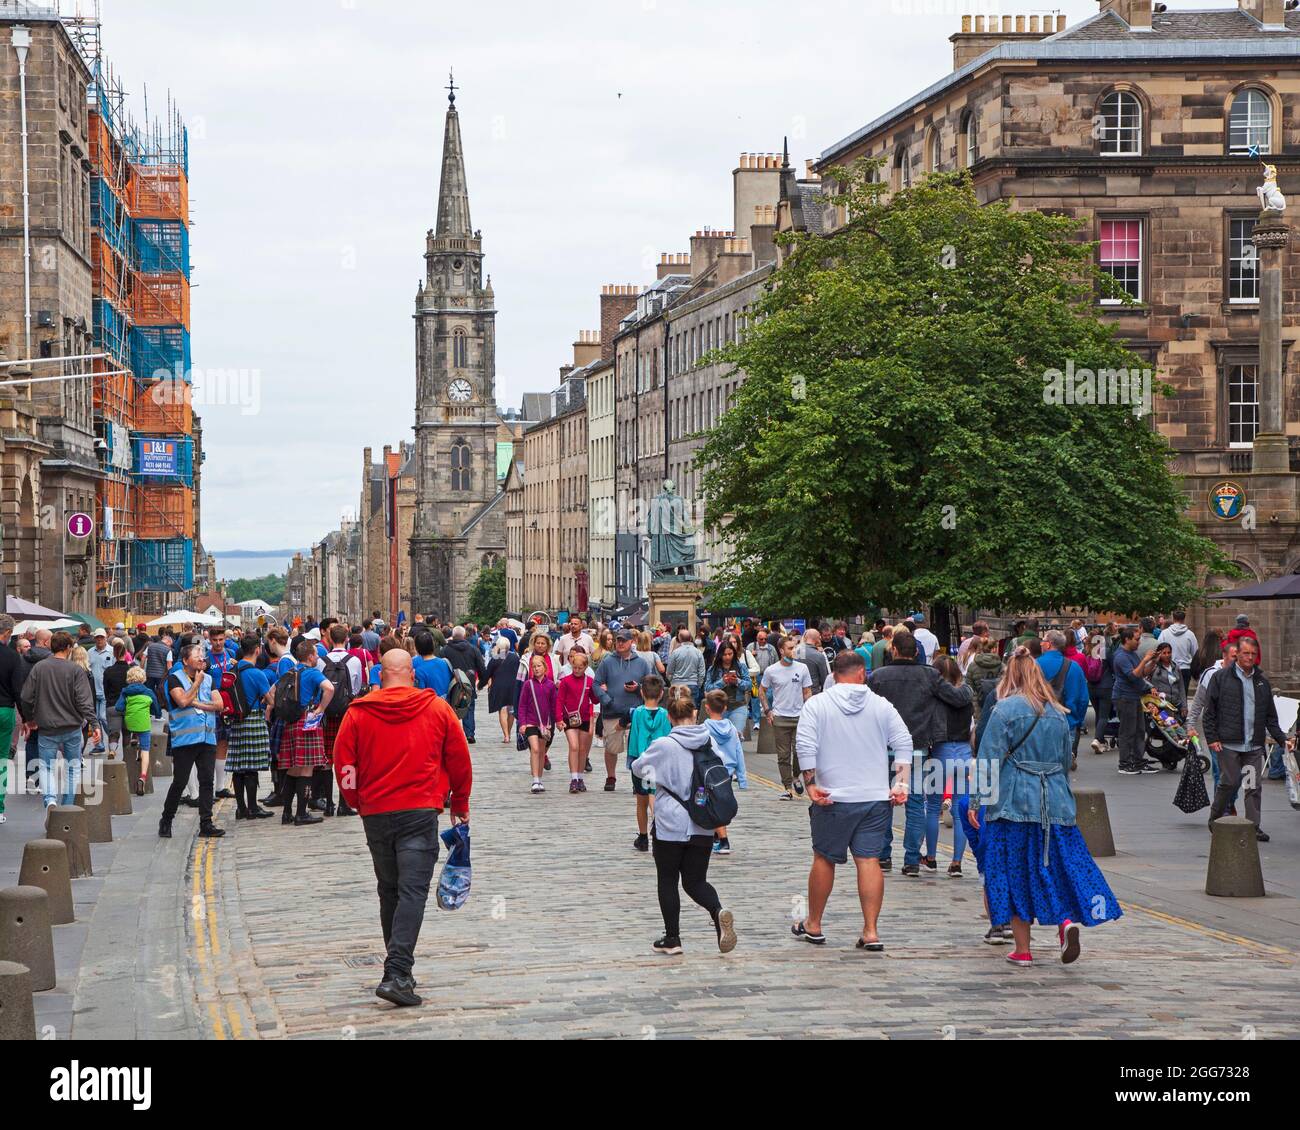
point(812, 939)
point(871, 947)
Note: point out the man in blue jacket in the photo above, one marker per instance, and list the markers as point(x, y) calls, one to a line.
point(1068, 683)
point(1130, 685)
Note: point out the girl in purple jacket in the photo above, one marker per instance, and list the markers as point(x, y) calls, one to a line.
point(536, 716)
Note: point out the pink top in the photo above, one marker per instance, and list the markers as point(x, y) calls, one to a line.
point(575, 696)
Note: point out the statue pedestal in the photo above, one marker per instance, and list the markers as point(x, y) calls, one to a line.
point(674, 602)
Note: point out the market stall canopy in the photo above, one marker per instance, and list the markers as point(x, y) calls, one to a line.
point(24, 626)
point(91, 622)
point(1276, 588)
point(185, 616)
point(21, 609)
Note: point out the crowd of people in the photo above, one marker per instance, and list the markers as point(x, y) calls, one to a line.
point(982, 736)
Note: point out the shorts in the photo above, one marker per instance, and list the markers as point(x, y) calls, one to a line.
point(615, 736)
point(143, 737)
point(861, 827)
point(581, 728)
point(534, 732)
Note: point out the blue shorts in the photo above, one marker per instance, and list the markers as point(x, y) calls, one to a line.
point(861, 827)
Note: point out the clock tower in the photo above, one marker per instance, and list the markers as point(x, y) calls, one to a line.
point(455, 396)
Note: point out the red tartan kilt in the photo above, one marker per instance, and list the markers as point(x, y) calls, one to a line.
point(330, 728)
point(302, 749)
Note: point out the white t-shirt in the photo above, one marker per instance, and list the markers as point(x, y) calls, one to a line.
point(928, 640)
point(784, 686)
point(568, 642)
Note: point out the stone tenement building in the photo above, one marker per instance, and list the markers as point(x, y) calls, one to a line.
point(48, 464)
point(1142, 123)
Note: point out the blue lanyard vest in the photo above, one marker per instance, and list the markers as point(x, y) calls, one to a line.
point(191, 726)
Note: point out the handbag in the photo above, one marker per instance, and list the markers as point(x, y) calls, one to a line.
point(1190, 796)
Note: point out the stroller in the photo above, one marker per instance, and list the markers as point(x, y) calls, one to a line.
point(1168, 741)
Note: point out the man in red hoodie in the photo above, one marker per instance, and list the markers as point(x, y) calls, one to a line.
point(401, 758)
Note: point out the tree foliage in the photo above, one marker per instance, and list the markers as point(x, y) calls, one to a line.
point(892, 442)
point(269, 588)
point(487, 595)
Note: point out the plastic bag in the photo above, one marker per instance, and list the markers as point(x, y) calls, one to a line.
point(1191, 795)
point(454, 882)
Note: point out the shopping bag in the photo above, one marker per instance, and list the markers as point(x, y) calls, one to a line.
point(453, 883)
point(1292, 778)
point(1190, 795)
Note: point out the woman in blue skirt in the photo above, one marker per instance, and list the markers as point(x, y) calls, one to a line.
point(1036, 865)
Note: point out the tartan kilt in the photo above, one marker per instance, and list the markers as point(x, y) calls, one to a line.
point(302, 749)
point(276, 730)
point(249, 748)
point(330, 728)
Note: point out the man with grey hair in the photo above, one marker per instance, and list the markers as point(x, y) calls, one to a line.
point(464, 655)
point(11, 687)
point(1068, 682)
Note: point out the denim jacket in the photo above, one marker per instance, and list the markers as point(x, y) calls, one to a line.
point(1033, 783)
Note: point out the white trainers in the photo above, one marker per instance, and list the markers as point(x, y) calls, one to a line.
point(538, 787)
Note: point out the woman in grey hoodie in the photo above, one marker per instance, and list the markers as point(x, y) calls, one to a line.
point(682, 849)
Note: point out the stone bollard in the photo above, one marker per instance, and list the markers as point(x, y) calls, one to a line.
point(99, 818)
point(160, 762)
point(67, 822)
point(25, 933)
point(45, 865)
point(117, 793)
point(17, 1013)
point(131, 758)
point(1093, 818)
point(767, 739)
point(1234, 870)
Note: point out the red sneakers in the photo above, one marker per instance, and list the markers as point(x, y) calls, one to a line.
point(1021, 959)
point(1068, 932)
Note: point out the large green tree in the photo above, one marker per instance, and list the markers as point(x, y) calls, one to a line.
point(487, 595)
point(269, 588)
point(898, 438)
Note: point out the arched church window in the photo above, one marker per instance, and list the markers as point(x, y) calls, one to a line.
point(459, 350)
point(461, 465)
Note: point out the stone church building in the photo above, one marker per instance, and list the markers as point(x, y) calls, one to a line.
point(459, 522)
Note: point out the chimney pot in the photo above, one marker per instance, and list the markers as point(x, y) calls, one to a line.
point(965, 24)
point(979, 24)
point(1006, 24)
point(1033, 24)
point(1020, 23)
point(1060, 21)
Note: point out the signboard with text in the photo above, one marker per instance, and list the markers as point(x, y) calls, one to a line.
point(157, 457)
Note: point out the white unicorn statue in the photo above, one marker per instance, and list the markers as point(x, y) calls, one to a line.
point(1270, 196)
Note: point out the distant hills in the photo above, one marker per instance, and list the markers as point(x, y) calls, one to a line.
point(255, 552)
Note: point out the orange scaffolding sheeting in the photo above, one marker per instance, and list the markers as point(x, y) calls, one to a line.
point(164, 512)
point(161, 300)
point(117, 495)
point(112, 395)
point(160, 192)
point(163, 408)
point(106, 155)
point(110, 277)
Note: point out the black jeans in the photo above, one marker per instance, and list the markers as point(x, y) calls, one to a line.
point(1132, 736)
point(1101, 708)
point(689, 863)
point(403, 848)
point(184, 758)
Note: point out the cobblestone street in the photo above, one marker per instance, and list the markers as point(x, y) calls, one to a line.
point(555, 942)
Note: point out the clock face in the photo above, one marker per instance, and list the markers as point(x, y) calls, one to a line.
point(460, 390)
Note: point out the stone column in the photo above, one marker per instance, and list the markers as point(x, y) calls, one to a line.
point(1271, 449)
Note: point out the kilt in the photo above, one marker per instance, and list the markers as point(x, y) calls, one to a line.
point(302, 749)
point(330, 728)
point(250, 745)
point(276, 731)
point(224, 729)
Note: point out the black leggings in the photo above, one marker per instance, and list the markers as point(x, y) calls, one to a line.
point(688, 862)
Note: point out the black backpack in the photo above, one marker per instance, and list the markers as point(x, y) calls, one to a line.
point(237, 705)
point(712, 801)
point(338, 675)
point(288, 709)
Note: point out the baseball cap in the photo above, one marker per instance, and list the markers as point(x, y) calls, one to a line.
point(100, 632)
point(119, 627)
point(918, 617)
point(625, 634)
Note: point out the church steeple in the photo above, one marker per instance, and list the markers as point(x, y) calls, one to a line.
point(453, 195)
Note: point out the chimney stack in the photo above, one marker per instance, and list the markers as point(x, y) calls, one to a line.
point(586, 349)
point(617, 301)
point(980, 34)
point(1135, 13)
point(1270, 13)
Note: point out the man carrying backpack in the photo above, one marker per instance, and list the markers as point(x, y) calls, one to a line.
point(464, 656)
point(343, 671)
point(843, 743)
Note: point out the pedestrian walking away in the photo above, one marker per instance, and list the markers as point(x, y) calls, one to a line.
point(400, 758)
point(844, 739)
point(682, 848)
point(648, 723)
point(1037, 867)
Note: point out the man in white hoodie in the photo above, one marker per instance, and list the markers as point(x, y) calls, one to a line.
point(843, 745)
point(1182, 640)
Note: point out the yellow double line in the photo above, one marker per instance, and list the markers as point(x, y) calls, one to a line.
point(207, 945)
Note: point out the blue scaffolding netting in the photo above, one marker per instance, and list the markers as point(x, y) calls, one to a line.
point(163, 566)
point(162, 247)
point(109, 215)
point(160, 353)
point(111, 330)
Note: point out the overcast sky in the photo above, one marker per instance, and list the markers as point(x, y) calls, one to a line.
point(597, 135)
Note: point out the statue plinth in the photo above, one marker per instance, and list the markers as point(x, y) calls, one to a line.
point(1272, 232)
point(1271, 450)
point(674, 602)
